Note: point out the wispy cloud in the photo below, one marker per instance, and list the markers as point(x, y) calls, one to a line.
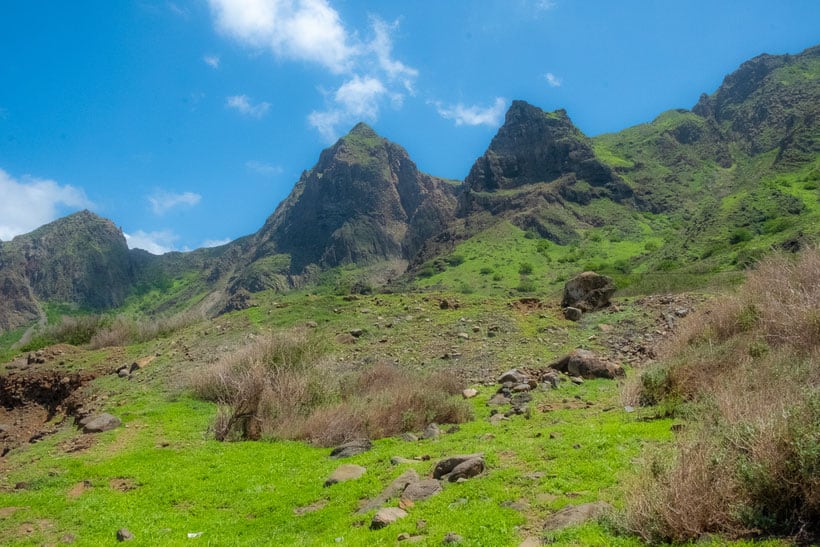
point(474, 114)
point(243, 105)
point(543, 5)
point(552, 79)
point(157, 242)
point(216, 242)
point(32, 202)
point(162, 201)
point(262, 168)
point(211, 60)
point(312, 31)
point(177, 10)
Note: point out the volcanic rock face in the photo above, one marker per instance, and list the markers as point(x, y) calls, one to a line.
point(363, 202)
point(536, 146)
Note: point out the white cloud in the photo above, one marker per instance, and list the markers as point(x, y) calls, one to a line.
point(474, 114)
point(262, 168)
point(312, 31)
point(306, 30)
point(211, 60)
point(157, 243)
point(216, 242)
point(31, 202)
point(243, 105)
point(162, 201)
point(552, 79)
point(543, 5)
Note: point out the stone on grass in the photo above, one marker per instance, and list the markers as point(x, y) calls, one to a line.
point(386, 516)
point(393, 490)
point(452, 537)
point(572, 515)
point(586, 364)
point(351, 448)
point(514, 376)
point(345, 472)
point(467, 469)
point(124, 534)
point(432, 431)
point(445, 466)
point(469, 393)
point(572, 314)
point(100, 423)
point(421, 490)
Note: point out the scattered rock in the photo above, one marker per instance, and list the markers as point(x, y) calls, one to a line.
point(572, 314)
point(398, 460)
point(351, 448)
point(356, 333)
point(409, 437)
point(345, 472)
point(572, 515)
point(586, 364)
point(496, 419)
point(345, 338)
point(386, 516)
point(432, 431)
point(393, 490)
point(520, 388)
point(498, 399)
point(452, 537)
point(469, 393)
point(577, 380)
point(124, 534)
point(445, 466)
point(140, 364)
point(100, 423)
point(421, 490)
point(463, 335)
point(312, 324)
point(514, 376)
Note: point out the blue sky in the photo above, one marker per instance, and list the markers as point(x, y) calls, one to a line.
point(186, 122)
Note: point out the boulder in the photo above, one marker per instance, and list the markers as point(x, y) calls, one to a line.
point(469, 393)
point(572, 515)
point(421, 490)
point(100, 423)
point(433, 431)
point(386, 516)
point(467, 469)
point(588, 292)
point(586, 364)
point(124, 534)
point(392, 490)
point(445, 466)
point(345, 472)
point(572, 314)
point(513, 376)
point(351, 448)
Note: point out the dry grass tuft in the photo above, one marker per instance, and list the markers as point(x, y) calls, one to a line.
point(280, 387)
point(748, 371)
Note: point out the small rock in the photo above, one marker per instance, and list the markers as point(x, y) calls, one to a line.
point(520, 388)
point(345, 472)
point(124, 534)
point(398, 460)
point(103, 422)
point(351, 448)
point(123, 373)
point(496, 419)
point(432, 432)
point(463, 336)
point(572, 515)
point(311, 324)
point(421, 490)
point(409, 437)
point(498, 399)
point(514, 376)
point(356, 333)
point(345, 338)
point(386, 516)
point(572, 314)
point(577, 380)
point(452, 537)
point(469, 393)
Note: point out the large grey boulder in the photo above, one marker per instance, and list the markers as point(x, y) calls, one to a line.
point(588, 291)
point(100, 423)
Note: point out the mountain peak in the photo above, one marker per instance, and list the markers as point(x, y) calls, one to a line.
point(361, 129)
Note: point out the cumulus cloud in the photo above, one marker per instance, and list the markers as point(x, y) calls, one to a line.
point(306, 30)
point(474, 114)
point(243, 105)
point(262, 168)
point(162, 201)
point(312, 31)
point(157, 242)
point(211, 60)
point(32, 202)
point(552, 79)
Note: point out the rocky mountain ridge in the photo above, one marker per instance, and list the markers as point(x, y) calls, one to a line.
point(366, 203)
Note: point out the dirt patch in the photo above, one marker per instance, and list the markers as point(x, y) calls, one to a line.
point(123, 484)
point(77, 444)
point(34, 404)
point(79, 489)
point(6, 512)
point(528, 305)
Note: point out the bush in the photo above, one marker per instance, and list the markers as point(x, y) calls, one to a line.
point(281, 387)
point(525, 268)
point(747, 370)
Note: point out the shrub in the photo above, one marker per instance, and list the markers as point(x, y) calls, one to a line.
point(525, 268)
point(281, 387)
point(739, 236)
point(486, 270)
point(747, 370)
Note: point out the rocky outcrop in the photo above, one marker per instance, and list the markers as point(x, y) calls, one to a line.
point(587, 292)
point(583, 363)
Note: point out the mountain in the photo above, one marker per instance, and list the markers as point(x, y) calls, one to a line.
point(700, 190)
point(364, 202)
point(82, 259)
